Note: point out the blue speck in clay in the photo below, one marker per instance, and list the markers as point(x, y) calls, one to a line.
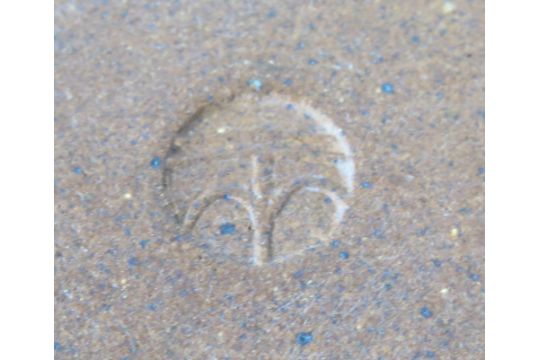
point(312, 62)
point(255, 84)
point(77, 170)
point(344, 255)
point(288, 82)
point(156, 162)
point(437, 262)
point(367, 185)
point(57, 346)
point(133, 261)
point(474, 277)
point(304, 338)
point(298, 274)
point(387, 88)
point(378, 233)
point(481, 113)
point(415, 39)
point(227, 229)
point(177, 238)
point(143, 243)
point(426, 312)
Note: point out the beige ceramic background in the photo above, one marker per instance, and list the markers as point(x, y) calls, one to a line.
point(129, 74)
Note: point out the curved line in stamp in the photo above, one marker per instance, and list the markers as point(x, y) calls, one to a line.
point(346, 167)
point(340, 209)
point(256, 186)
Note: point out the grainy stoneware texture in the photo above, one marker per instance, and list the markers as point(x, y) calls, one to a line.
point(269, 180)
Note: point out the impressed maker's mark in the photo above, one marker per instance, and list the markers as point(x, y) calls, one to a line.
point(259, 179)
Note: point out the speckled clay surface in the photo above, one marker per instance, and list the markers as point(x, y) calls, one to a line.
point(269, 180)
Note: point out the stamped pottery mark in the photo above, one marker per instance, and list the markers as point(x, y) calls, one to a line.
point(282, 166)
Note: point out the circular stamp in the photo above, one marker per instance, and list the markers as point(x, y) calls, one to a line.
point(259, 178)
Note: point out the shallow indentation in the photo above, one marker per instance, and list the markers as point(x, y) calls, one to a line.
point(277, 171)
